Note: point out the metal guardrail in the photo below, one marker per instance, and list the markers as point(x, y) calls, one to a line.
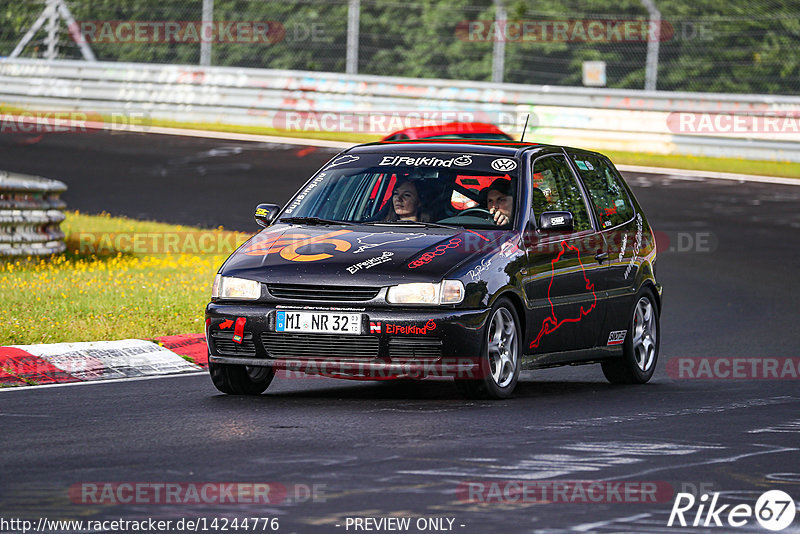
point(592, 118)
point(30, 215)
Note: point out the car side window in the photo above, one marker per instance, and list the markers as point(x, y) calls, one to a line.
point(609, 198)
point(558, 190)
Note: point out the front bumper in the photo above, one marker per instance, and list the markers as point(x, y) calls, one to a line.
point(394, 343)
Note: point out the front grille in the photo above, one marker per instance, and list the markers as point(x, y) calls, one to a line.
point(224, 345)
point(283, 345)
point(401, 349)
point(323, 293)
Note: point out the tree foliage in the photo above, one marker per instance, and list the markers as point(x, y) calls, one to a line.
point(715, 45)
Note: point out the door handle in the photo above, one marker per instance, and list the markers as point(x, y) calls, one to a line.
point(601, 257)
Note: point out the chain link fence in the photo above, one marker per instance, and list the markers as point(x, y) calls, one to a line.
point(711, 46)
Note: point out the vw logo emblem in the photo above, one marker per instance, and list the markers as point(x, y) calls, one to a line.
point(504, 164)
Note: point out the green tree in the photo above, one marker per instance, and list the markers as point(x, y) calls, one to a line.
point(715, 45)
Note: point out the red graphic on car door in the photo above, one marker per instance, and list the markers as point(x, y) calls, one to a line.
point(553, 323)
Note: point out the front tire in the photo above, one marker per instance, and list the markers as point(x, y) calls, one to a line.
point(240, 379)
point(640, 350)
point(500, 358)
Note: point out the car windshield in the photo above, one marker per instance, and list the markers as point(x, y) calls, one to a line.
point(467, 190)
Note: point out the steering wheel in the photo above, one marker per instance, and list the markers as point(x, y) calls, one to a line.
point(482, 211)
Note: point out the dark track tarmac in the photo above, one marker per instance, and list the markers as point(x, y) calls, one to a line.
point(403, 449)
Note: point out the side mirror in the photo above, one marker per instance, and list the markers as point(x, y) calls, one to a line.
point(266, 213)
point(555, 221)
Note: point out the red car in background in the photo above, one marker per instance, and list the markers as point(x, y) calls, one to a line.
point(452, 130)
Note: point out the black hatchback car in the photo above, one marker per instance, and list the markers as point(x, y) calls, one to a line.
point(467, 259)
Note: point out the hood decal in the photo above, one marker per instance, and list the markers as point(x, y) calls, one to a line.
point(427, 257)
point(288, 246)
point(378, 239)
point(372, 262)
point(300, 254)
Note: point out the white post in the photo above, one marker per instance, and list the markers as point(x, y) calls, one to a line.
point(499, 49)
point(35, 27)
point(353, 21)
point(52, 10)
point(75, 32)
point(205, 43)
point(52, 31)
point(653, 42)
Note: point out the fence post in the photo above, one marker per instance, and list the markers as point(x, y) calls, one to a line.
point(499, 48)
point(52, 31)
point(205, 41)
point(653, 42)
point(353, 21)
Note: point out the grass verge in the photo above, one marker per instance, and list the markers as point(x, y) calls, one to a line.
point(107, 287)
point(783, 169)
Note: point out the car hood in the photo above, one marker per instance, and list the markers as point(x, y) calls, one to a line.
point(317, 255)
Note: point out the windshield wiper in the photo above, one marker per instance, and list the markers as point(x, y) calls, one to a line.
point(403, 222)
point(312, 221)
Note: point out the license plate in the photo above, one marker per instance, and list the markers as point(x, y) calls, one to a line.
point(318, 322)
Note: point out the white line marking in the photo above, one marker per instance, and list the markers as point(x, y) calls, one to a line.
point(89, 382)
point(607, 420)
point(229, 136)
point(593, 457)
point(586, 527)
point(707, 462)
point(789, 426)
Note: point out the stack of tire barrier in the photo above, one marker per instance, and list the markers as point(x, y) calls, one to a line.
point(30, 215)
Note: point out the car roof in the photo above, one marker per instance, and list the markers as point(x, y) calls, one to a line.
point(475, 146)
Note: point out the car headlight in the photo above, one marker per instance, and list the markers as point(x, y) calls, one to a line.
point(445, 292)
point(228, 287)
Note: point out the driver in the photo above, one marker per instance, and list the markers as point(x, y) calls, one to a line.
point(499, 201)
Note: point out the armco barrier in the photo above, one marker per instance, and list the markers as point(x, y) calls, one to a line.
point(30, 215)
point(594, 118)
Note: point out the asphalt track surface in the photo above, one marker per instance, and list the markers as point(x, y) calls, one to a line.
point(405, 448)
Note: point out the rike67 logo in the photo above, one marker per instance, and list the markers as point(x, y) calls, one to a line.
point(774, 510)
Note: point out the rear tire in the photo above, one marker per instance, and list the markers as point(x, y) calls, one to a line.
point(640, 350)
point(500, 356)
point(240, 379)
